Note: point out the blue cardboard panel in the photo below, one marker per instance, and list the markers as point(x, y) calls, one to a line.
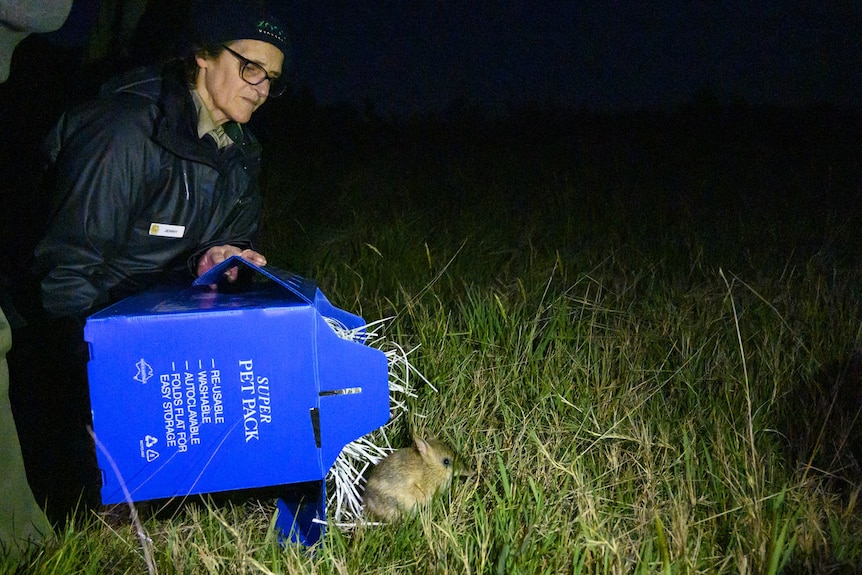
point(198, 391)
point(303, 288)
point(303, 519)
point(345, 372)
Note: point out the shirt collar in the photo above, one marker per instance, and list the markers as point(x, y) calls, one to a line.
point(206, 124)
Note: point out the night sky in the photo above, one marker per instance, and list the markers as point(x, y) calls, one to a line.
point(604, 56)
point(607, 55)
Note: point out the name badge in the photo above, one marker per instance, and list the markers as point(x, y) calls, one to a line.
point(167, 230)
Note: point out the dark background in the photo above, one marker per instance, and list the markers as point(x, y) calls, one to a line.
point(425, 57)
point(596, 56)
point(440, 78)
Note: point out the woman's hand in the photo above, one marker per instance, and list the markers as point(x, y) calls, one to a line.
point(217, 254)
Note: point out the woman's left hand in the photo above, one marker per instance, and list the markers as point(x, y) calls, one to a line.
point(217, 254)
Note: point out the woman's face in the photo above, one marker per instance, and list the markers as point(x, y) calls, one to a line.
point(225, 93)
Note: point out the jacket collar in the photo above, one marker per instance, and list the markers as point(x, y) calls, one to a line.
point(176, 126)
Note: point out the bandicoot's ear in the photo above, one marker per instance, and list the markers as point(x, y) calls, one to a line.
point(421, 445)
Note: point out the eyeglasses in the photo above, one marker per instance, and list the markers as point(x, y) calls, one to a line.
point(254, 74)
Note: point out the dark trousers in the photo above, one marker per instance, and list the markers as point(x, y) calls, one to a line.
point(50, 402)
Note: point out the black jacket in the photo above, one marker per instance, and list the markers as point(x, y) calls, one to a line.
point(138, 195)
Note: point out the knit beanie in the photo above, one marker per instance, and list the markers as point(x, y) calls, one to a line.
point(216, 22)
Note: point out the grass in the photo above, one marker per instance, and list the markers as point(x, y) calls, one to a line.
point(647, 347)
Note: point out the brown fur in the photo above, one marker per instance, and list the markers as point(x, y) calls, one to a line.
point(410, 477)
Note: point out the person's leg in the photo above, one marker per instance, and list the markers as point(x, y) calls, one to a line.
point(51, 404)
point(22, 522)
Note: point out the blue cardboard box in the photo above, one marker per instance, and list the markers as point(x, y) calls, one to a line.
point(195, 390)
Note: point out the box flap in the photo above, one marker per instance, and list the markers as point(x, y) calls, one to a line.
point(303, 288)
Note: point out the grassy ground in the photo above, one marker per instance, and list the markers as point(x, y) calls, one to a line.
point(644, 335)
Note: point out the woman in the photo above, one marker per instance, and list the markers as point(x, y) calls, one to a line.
point(160, 175)
point(156, 180)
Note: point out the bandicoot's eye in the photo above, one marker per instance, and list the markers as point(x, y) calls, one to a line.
point(447, 462)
